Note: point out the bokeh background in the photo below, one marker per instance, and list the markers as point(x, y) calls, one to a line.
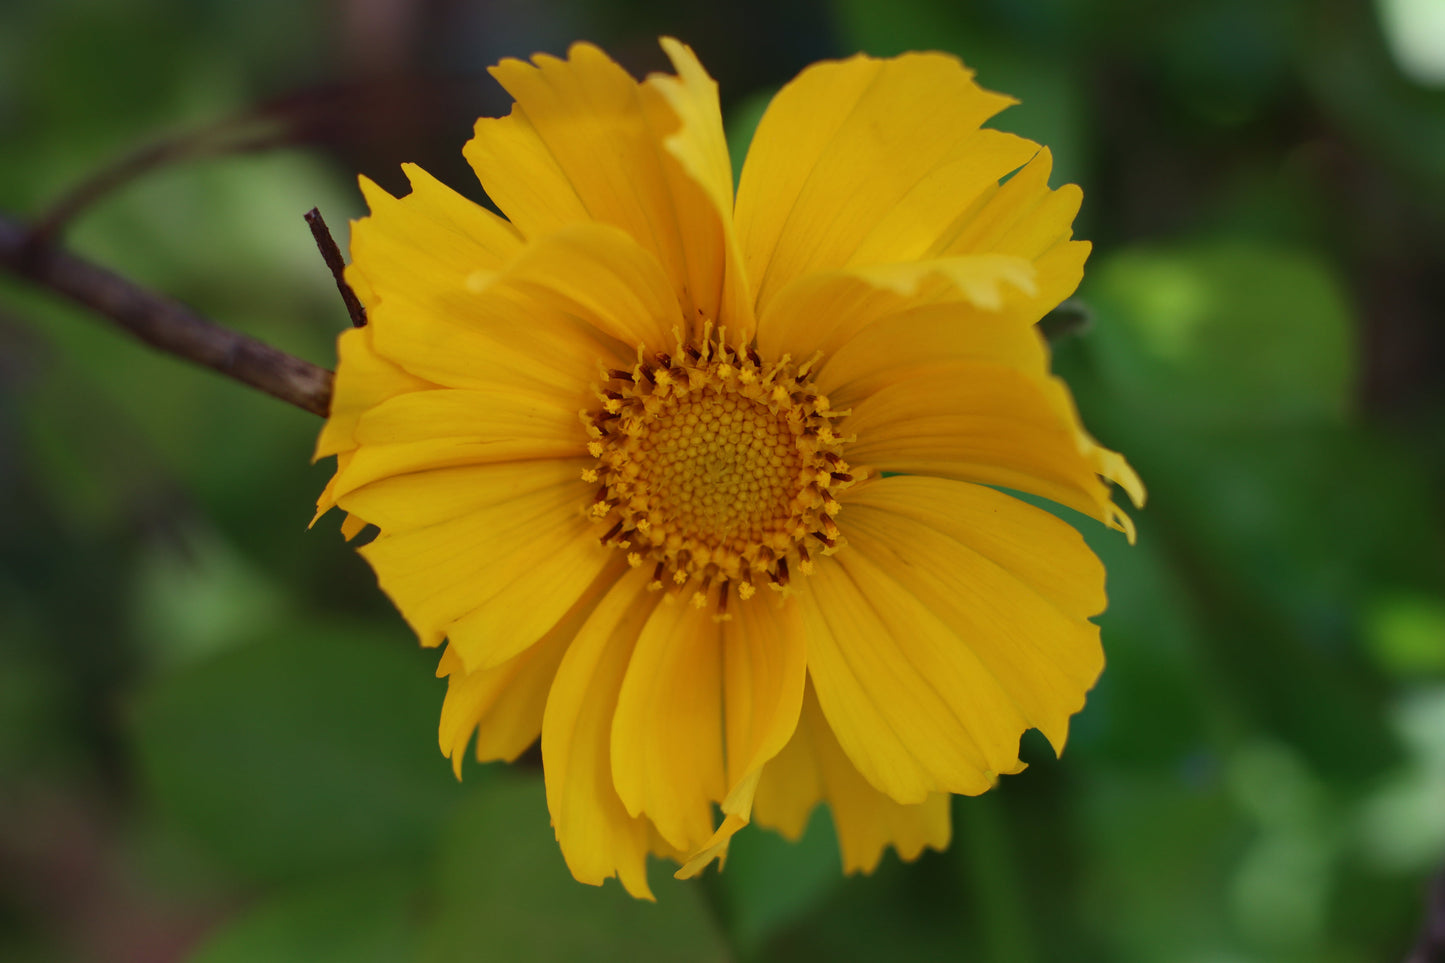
point(217, 740)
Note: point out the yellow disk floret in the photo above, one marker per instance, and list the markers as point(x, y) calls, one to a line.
point(717, 467)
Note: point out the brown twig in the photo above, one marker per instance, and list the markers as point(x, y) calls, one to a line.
point(164, 323)
point(331, 254)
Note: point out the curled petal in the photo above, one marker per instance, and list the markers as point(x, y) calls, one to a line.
point(845, 145)
point(813, 768)
point(599, 838)
point(585, 142)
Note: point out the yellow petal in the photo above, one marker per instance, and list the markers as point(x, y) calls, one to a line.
point(520, 493)
point(922, 336)
point(522, 176)
point(599, 839)
point(1036, 547)
point(525, 598)
point(597, 272)
point(873, 323)
point(491, 556)
point(701, 150)
point(494, 415)
point(990, 424)
point(667, 739)
point(948, 194)
point(911, 706)
point(503, 705)
point(587, 142)
point(1023, 218)
point(845, 145)
point(431, 233)
point(326, 501)
point(698, 141)
point(364, 379)
point(716, 847)
point(827, 310)
point(866, 820)
point(460, 337)
point(792, 784)
point(442, 428)
point(812, 767)
point(1013, 584)
point(352, 526)
point(764, 671)
point(986, 281)
point(660, 847)
point(433, 319)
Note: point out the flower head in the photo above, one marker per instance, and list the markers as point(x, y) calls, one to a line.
point(705, 489)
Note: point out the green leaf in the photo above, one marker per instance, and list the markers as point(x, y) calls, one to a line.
point(367, 918)
point(1052, 108)
point(770, 882)
point(304, 752)
point(1224, 370)
point(1406, 633)
point(1225, 334)
point(199, 599)
point(742, 123)
point(1400, 825)
point(1160, 851)
point(987, 851)
point(902, 911)
point(1148, 708)
point(504, 893)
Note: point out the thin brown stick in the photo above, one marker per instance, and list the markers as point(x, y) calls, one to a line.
point(331, 254)
point(164, 323)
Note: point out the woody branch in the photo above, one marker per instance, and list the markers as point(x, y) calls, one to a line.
point(162, 322)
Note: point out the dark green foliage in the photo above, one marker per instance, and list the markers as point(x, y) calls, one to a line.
point(241, 733)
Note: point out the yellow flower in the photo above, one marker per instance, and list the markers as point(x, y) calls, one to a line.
point(705, 489)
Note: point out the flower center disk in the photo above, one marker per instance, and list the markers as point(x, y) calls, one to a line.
point(720, 469)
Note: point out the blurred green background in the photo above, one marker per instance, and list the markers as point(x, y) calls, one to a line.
point(217, 740)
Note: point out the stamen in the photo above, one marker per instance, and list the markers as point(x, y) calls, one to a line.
point(715, 466)
point(720, 614)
